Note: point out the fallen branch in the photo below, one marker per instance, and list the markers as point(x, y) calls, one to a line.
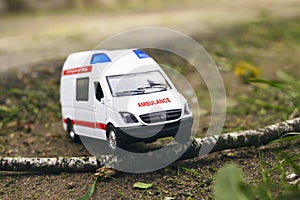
point(247, 138)
point(51, 165)
point(199, 147)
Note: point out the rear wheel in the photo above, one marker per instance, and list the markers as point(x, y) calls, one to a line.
point(71, 133)
point(113, 137)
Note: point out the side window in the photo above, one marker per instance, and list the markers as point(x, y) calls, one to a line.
point(82, 89)
point(98, 91)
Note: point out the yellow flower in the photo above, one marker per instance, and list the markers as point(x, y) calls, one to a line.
point(246, 71)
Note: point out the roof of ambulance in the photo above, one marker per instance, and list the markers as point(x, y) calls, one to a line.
point(83, 58)
point(119, 61)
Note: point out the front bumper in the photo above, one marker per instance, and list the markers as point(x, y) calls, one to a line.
point(151, 133)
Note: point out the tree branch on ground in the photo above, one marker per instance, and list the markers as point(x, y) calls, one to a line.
point(198, 147)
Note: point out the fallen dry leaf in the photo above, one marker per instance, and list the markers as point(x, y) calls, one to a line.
point(105, 172)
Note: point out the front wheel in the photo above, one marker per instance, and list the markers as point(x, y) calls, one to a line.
point(113, 137)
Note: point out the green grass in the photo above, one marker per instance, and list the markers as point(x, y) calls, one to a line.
point(255, 41)
point(271, 45)
point(230, 183)
point(31, 98)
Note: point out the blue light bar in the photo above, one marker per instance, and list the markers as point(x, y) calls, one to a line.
point(141, 54)
point(100, 58)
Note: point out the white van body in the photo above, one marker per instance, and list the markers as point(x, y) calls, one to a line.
point(120, 96)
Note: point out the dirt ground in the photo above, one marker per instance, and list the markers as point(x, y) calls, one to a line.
point(167, 182)
point(21, 41)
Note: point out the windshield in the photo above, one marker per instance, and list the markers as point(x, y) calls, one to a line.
point(137, 83)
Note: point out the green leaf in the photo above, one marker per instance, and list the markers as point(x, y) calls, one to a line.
point(293, 195)
point(285, 77)
point(291, 161)
point(190, 170)
point(264, 189)
point(287, 138)
point(90, 192)
point(275, 84)
point(143, 186)
point(229, 184)
point(290, 88)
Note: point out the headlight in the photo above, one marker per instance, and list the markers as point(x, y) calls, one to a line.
point(186, 109)
point(128, 117)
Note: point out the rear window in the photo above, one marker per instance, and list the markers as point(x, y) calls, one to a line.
point(82, 89)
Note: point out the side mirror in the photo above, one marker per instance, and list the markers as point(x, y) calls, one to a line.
point(102, 100)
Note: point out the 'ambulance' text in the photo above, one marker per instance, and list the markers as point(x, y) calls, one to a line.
point(154, 102)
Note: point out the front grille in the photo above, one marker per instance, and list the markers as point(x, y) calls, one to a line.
point(161, 116)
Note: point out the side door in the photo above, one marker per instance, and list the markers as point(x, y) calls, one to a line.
point(99, 111)
point(84, 117)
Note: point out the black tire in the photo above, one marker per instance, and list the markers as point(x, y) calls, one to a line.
point(113, 138)
point(71, 133)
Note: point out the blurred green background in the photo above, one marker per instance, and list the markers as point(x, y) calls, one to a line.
point(247, 40)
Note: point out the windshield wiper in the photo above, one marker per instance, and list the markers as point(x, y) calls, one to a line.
point(152, 84)
point(130, 92)
point(156, 88)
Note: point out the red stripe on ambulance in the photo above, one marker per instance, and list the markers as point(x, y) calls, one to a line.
point(77, 70)
point(97, 125)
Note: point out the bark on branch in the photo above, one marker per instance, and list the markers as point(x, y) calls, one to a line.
point(247, 138)
point(199, 146)
point(51, 165)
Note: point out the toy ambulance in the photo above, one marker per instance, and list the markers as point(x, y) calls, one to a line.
point(122, 96)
